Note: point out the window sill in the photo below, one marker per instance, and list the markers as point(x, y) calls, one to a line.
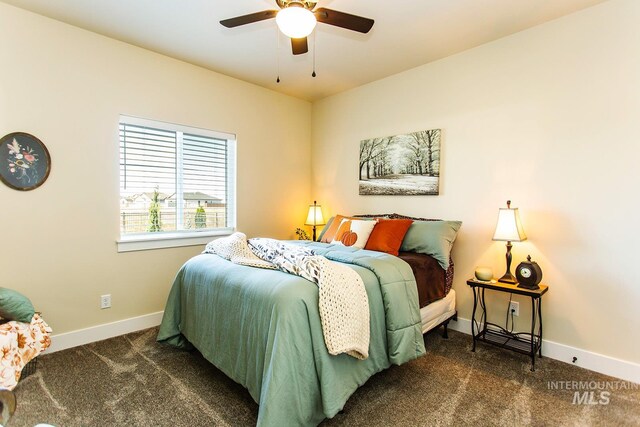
point(143, 242)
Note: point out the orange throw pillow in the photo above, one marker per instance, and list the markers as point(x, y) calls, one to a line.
point(344, 228)
point(387, 235)
point(331, 232)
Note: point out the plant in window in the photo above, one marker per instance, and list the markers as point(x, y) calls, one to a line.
point(155, 223)
point(201, 217)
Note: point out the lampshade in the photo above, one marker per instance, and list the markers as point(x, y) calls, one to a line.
point(314, 217)
point(296, 21)
point(509, 228)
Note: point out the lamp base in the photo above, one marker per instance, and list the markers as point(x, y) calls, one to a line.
point(508, 278)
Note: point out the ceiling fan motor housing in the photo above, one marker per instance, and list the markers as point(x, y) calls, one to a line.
point(297, 3)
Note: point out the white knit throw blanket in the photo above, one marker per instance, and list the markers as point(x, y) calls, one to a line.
point(342, 301)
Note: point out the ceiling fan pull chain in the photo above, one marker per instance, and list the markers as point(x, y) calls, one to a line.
point(315, 35)
point(278, 55)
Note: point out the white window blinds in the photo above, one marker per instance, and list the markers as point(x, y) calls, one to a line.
point(174, 178)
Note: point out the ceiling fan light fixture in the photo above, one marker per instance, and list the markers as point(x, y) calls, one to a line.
point(296, 21)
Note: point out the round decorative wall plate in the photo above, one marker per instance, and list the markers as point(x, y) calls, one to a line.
point(24, 161)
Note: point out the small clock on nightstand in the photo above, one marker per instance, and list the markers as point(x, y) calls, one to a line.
point(529, 274)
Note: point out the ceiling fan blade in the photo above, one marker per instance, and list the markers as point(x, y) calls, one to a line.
point(299, 46)
point(249, 19)
point(344, 20)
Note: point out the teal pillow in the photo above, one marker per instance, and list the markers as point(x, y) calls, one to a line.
point(433, 238)
point(325, 228)
point(15, 306)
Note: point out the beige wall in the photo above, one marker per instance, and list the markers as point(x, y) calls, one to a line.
point(68, 86)
point(547, 118)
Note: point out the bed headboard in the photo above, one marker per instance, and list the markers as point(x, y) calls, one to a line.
point(396, 216)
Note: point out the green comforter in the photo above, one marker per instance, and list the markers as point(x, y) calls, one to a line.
point(262, 329)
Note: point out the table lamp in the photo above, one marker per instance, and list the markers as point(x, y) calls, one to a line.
point(509, 229)
point(314, 217)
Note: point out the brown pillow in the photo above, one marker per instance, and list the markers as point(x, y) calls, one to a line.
point(387, 235)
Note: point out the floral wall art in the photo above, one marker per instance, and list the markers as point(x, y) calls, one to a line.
point(24, 161)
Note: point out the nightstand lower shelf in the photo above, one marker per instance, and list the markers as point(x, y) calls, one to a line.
point(519, 342)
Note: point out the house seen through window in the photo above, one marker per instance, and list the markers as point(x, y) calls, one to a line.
point(174, 178)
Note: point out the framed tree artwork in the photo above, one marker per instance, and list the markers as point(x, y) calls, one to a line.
point(24, 161)
point(407, 164)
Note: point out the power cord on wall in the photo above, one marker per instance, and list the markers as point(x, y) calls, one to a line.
point(512, 311)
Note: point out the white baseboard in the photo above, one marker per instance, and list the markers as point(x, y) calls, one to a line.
point(103, 332)
point(628, 371)
point(607, 365)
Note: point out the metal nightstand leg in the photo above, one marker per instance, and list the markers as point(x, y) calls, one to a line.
point(473, 317)
point(483, 304)
point(533, 337)
point(540, 328)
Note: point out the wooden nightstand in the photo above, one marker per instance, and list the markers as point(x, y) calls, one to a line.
point(522, 342)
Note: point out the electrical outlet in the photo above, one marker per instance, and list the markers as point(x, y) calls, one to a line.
point(514, 307)
point(105, 301)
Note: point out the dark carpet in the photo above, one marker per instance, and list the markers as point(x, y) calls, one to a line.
point(132, 380)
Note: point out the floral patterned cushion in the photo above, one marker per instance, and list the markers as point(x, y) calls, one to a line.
point(19, 343)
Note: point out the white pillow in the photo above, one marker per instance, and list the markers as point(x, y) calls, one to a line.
point(361, 228)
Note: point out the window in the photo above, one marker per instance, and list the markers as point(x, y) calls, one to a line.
point(177, 184)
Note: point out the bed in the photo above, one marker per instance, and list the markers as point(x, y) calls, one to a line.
point(262, 329)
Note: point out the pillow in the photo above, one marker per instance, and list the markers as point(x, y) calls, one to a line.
point(433, 238)
point(15, 306)
point(387, 235)
point(331, 229)
point(325, 228)
point(354, 232)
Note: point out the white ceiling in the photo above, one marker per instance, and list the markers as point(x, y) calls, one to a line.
point(406, 34)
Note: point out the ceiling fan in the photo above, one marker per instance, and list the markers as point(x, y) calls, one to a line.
point(297, 19)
